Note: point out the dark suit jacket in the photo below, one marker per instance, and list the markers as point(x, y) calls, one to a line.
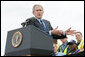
point(35, 22)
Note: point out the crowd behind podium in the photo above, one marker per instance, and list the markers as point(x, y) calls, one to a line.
point(71, 48)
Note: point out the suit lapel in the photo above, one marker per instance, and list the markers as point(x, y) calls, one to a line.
point(37, 23)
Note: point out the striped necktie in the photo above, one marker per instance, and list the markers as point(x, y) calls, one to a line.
point(44, 27)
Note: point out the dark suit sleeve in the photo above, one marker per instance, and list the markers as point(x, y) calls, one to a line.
point(56, 36)
point(50, 27)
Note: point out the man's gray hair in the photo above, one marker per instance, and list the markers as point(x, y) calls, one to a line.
point(37, 5)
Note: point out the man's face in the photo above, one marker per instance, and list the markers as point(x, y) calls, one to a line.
point(54, 47)
point(72, 46)
point(38, 12)
point(78, 36)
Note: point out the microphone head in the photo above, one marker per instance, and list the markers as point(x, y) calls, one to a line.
point(23, 24)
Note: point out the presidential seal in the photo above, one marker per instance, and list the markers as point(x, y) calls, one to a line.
point(16, 39)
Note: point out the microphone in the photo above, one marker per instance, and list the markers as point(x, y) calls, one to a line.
point(24, 24)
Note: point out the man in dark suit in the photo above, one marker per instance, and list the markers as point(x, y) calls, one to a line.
point(45, 25)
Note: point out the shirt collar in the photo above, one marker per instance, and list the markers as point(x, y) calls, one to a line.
point(38, 19)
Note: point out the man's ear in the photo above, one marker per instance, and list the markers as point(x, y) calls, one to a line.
point(43, 11)
point(33, 12)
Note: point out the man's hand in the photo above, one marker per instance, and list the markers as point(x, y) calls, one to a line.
point(56, 31)
point(70, 32)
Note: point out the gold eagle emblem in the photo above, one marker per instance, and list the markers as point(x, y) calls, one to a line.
point(16, 39)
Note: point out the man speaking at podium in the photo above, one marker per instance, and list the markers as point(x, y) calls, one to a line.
point(45, 25)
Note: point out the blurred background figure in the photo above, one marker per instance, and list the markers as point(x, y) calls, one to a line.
point(56, 53)
point(73, 47)
point(56, 45)
point(64, 48)
point(80, 41)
